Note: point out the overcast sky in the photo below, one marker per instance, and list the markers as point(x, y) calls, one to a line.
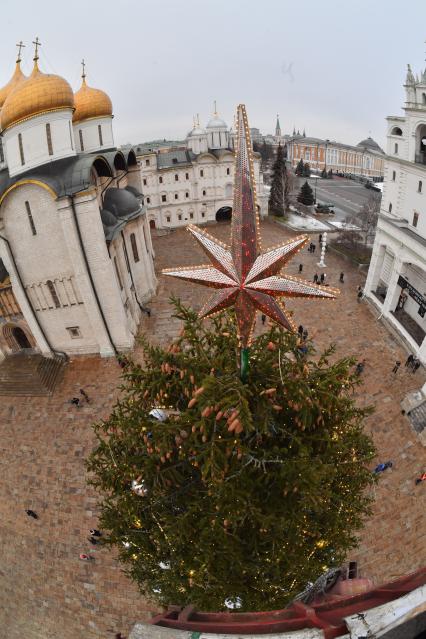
point(335, 68)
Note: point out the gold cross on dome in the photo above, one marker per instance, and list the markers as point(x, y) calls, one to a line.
point(37, 44)
point(83, 64)
point(20, 45)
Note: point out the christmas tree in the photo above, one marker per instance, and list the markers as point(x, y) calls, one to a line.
point(300, 168)
point(234, 470)
point(306, 195)
point(276, 197)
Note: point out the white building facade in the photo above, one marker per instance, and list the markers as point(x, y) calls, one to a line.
point(193, 183)
point(396, 281)
point(76, 257)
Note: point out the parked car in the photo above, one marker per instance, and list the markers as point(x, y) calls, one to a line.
point(325, 208)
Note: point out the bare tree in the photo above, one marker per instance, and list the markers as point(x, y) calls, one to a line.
point(368, 215)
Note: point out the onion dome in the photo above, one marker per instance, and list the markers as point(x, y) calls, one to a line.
point(16, 78)
point(90, 103)
point(40, 93)
point(216, 123)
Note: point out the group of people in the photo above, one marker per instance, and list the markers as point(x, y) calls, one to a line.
point(77, 401)
point(412, 362)
point(320, 278)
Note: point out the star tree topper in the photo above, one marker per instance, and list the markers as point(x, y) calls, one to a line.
point(243, 276)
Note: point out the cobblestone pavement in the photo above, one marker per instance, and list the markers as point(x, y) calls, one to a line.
point(47, 592)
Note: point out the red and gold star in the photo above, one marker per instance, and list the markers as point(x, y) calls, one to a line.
point(245, 278)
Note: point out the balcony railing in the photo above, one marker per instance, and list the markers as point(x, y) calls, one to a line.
point(420, 158)
point(9, 307)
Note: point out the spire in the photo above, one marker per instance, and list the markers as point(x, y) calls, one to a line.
point(20, 46)
point(298, 132)
point(215, 113)
point(83, 71)
point(304, 134)
point(198, 119)
point(278, 128)
point(410, 77)
point(294, 130)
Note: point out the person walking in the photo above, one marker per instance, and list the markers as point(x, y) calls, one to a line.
point(409, 360)
point(313, 248)
point(415, 365)
point(322, 278)
point(31, 513)
point(342, 275)
point(360, 367)
point(316, 278)
point(395, 368)
point(263, 319)
point(300, 330)
point(300, 268)
point(360, 294)
point(95, 533)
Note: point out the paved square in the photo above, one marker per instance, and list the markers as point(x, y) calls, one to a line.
point(46, 592)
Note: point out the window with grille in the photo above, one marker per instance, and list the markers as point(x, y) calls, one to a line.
point(168, 218)
point(160, 179)
point(164, 198)
point(80, 135)
point(176, 196)
point(53, 293)
point(21, 148)
point(134, 247)
point(179, 216)
point(117, 272)
point(186, 176)
point(187, 194)
point(201, 173)
point(100, 134)
point(176, 177)
point(415, 218)
point(49, 139)
point(30, 218)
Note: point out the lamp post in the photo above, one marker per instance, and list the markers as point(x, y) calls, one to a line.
point(324, 244)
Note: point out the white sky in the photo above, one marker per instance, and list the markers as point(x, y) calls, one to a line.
point(335, 68)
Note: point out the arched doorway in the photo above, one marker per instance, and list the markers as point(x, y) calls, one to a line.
point(152, 224)
point(224, 214)
point(20, 338)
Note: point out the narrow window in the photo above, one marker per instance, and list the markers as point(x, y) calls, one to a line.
point(71, 135)
point(415, 218)
point(30, 218)
point(201, 173)
point(393, 176)
point(420, 186)
point(179, 217)
point(396, 148)
point(146, 162)
point(144, 181)
point(49, 139)
point(228, 171)
point(186, 176)
point(176, 196)
point(187, 194)
point(80, 134)
point(164, 198)
point(168, 218)
point(160, 179)
point(52, 290)
point(176, 177)
point(203, 214)
point(117, 272)
point(148, 200)
point(21, 149)
point(390, 207)
point(134, 247)
point(100, 134)
point(1, 151)
point(191, 215)
point(204, 193)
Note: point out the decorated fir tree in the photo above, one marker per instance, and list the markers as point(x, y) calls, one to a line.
point(300, 168)
point(307, 170)
point(306, 195)
point(234, 470)
point(276, 197)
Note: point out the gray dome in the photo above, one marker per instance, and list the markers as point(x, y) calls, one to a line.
point(108, 219)
point(121, 202)
point(133, 190)
point(217, 123)
point(369, 143)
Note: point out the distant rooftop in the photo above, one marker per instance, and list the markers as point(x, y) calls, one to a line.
point(155, 145)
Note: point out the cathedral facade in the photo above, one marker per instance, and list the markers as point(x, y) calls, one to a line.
point(193, 182)
point(76, 257)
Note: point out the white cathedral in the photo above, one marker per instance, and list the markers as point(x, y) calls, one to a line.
point(76, 257)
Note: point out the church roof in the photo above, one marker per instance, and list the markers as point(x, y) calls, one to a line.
point(174, 158)
point(369, 143)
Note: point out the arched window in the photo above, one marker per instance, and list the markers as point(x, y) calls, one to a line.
point(49, 139)
point(80, 135)
point(134, 247)
point(53, 293)
point(21, 148)
point(100, 134)
point(117, 272)
point(396, 131)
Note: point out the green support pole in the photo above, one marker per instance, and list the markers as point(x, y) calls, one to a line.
point(244, 364)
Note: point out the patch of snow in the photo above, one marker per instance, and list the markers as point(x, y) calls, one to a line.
point(306, 223)
point(344, 225)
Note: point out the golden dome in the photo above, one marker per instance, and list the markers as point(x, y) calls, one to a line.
point(91, 103)
point(40, 93)
point(17, 77)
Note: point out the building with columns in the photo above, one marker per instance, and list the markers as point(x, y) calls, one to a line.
point(396, 282)
point(193, 182)
point(76, 258)
point(366, 158)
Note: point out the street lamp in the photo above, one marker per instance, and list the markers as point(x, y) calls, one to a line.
point(324, 244)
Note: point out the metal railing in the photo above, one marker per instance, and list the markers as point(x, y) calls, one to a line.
point(9, 307)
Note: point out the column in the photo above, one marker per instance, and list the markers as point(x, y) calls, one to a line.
point(390, 302)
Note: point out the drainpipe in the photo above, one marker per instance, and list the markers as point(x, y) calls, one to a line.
point(72, 196)
point(29, 301)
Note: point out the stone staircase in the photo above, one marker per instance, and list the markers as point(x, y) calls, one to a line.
point(30, 374)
